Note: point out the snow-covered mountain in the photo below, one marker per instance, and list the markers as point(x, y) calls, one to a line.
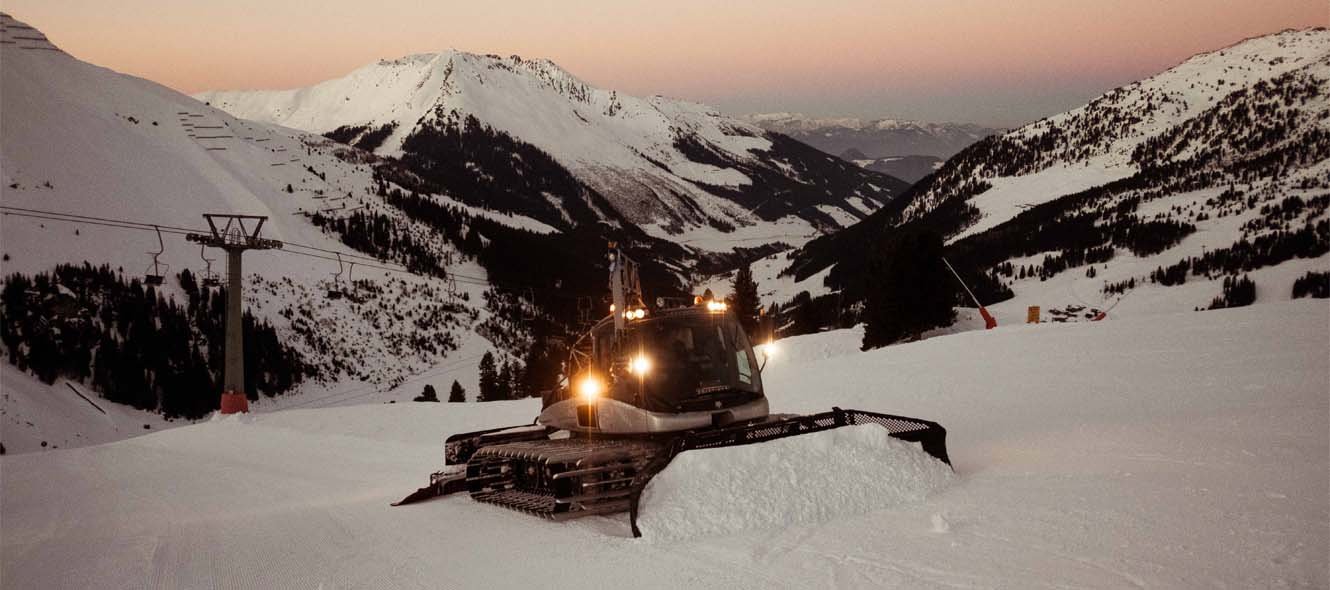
point(874, 138)
point(85, 140)
point(526, 136)
point(1212, 170)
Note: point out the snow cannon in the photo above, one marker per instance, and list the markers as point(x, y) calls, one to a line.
point(641, 386)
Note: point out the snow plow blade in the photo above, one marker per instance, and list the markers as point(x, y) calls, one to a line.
point(433, 490)
point(523, 469)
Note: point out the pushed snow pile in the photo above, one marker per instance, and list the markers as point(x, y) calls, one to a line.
point(798, 480)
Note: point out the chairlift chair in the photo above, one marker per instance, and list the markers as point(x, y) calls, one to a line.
point(335, 292)
point(352, 293)
point(157, 275)
point(210, 280)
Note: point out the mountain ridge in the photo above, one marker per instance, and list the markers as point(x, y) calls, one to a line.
point(874, 138)
point(667, 165)
point(1198, 161)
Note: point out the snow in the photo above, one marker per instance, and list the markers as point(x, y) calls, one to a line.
point(1154, 105)
point(70, 146)
point(864, 205)
point(67, 124)
point(1012, 195)
point(1009, 196)
point(1201, 79)
point(620, 145)
point(1159, 448)
point(509, 219)
point(790, 230)
point(33, 413)
point(1175, 450)
point(840, 215)
point(1073, 288)
point(798, 481)
point(771, 286)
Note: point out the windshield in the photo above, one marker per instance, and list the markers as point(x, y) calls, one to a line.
point(667, 361)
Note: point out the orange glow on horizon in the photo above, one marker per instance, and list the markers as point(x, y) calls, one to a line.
point(964, 60)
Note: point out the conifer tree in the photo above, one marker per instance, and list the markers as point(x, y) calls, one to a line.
point(745, 301)
point(803, 315)
point(505, 388)
point(489, 379)
point(909, 289)
point(457, 393)
point(427, 395)
point(541, 368)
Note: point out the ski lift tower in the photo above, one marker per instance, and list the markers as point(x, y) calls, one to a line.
point(235, 234)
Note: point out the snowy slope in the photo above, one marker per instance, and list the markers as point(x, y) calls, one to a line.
point(64, 415)
point(671, 165)
point(772, 287)
point(1222, 151)
point(1100, 138)
point(83, 139)
point(1185, 450)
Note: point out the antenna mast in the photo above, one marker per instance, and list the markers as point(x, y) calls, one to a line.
point(625, 287)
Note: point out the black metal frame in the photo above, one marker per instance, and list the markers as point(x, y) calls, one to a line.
point(234, 234)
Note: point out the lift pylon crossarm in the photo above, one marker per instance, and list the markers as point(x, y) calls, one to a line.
point(235, 231)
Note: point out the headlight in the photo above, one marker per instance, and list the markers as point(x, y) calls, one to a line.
point(590, 387)
point(716, 306)
point(769, 349)
point(640, 365)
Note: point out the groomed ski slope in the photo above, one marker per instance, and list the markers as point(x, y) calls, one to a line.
point(1184, 450)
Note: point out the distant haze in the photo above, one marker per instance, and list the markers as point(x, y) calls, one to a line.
point(994, 63)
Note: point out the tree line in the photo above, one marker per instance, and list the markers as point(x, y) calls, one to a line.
point(132, 345)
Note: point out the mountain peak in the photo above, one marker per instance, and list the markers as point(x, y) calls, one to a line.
point(671, 166)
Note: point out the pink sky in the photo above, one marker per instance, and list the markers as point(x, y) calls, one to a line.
point(989, 61)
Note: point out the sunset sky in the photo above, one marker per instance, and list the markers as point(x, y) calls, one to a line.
point(999, 62)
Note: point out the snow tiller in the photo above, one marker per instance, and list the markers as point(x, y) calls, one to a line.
point(644, 385)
